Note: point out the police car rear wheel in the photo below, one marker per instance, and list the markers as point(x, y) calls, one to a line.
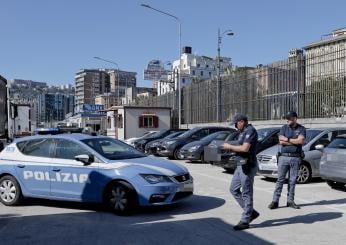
point(121, 199)
point(10, 192)
point(304, 174)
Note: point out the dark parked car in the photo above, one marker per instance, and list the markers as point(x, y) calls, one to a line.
point(267, 137)
point(151, 147)
point(140, 143)
point(333, 164)
point(195, 150)
point(171, 148)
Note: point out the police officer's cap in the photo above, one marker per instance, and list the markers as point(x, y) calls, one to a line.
point(291, 114)
point(239, 117)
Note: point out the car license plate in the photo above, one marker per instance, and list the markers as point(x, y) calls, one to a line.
point(185, 187)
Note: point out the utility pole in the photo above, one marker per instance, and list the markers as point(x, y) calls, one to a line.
point(219, 41)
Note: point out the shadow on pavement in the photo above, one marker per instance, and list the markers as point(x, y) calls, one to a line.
point(100, 228)
point(301, 219)
point(325, 202)
point(194, 204)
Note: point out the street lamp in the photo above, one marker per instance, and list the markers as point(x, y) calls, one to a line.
point(219, 40)
point(179, 84)
point(118, 71)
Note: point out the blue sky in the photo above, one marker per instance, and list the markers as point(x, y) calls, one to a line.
point(50, 40)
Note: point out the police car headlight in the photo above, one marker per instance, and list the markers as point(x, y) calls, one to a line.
point(155, 178)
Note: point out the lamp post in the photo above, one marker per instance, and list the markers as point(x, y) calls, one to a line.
point(219, 41)
point(118, 71)
point(179, 73)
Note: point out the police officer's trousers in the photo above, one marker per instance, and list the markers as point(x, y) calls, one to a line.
point(291, 165)
point(242, 190)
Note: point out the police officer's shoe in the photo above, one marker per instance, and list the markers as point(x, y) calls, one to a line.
point(293, 205)
point(254, 215)
point(241, 226)
point(273, 205)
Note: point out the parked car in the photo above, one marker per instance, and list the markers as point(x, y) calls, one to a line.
point(333, 162)
point(170, 148)
point(85, 168)
point(151, 147)
point(130, 141)
point(195, 150)
point(140, 143)
point(310, 166)
point(267, 137)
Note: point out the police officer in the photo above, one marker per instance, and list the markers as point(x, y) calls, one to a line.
point(291, 139)
point(243, 178)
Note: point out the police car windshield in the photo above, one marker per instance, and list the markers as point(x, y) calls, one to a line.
point(112, 149)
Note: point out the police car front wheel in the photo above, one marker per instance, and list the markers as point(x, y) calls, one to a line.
point(121, 198)
point(10, 192)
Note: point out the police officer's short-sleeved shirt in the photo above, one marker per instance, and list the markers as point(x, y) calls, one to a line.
point(292, 133)
point(249, 135)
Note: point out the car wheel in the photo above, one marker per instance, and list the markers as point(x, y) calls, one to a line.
point(304, 173)
point(176, 154)
point(335, 185)
point(121, 198)
point(10, 192)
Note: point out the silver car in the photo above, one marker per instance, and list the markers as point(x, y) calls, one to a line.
point(310, 167)
point(333, 163)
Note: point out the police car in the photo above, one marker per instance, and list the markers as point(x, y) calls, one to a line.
point(85, 168)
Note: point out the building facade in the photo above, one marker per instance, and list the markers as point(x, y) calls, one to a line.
point(326, 76)
point(3, 108)
point(89, 84)
point(125, 122)
point(193, 67)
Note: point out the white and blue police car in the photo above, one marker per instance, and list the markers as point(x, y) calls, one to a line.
point(85, 168)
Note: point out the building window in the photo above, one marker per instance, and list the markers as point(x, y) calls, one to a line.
point(209, 74)
point(146, 121)
point(198, 65)
point(193, 72)
point(183, 80)
point(202, 73)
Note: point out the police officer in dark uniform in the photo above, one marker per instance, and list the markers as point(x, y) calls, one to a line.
point(292, 137)
point(243, 178)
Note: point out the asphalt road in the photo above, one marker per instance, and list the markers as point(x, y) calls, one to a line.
point(205, 218)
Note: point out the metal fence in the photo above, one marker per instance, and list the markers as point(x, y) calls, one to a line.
point(266, 92)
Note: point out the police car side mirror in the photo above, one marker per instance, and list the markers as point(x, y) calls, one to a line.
point(319, 147)
point(86, 159)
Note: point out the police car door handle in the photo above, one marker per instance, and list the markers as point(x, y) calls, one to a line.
point(56, 169)
point(21, 166)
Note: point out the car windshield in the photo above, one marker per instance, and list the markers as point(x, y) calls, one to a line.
point(112, 149)
point(338, 143)
point(264, 132)
point(147, 135)
point(188, 133)
point(310, 134)
point(171, 136)
point(215, 136)
point(158, 134)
